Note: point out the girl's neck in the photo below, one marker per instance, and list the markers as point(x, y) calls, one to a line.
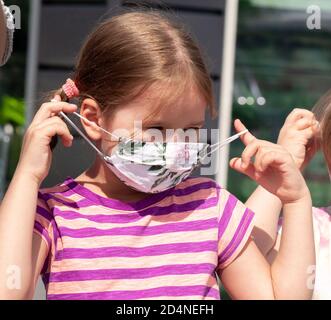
point(101, 180)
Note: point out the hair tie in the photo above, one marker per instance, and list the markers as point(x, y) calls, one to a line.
point(70, 89)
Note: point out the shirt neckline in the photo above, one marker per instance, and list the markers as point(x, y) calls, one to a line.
point(115, 203)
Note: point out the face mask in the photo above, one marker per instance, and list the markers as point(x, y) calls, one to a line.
point(153, 167)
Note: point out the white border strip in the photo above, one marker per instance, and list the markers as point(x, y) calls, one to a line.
point(32, 60)
point(227, 83)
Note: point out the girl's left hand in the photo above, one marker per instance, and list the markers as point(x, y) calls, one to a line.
point(273, 168)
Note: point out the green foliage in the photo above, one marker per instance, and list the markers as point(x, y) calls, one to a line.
point(12, 111)
point(290, 67)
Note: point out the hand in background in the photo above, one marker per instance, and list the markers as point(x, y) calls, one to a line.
point(300, 136)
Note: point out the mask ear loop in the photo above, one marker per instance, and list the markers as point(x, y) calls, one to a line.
point(82, 134)
point(219, 145)
point(119, 139)
point(96, 126)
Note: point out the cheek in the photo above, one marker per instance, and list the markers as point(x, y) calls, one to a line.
point(126, 122)
point(119, 125)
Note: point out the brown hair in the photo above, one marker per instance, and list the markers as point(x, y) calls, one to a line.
point(326, 137)
point(322, 112)
point(130, 52)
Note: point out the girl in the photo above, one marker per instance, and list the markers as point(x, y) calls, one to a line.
point(133, 227)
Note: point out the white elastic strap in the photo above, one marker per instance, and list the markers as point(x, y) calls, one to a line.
point(82, 134)
point(219, 145)
point(96, 126)
point(229, 140)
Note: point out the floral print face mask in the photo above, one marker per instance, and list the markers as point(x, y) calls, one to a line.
point(153, 167)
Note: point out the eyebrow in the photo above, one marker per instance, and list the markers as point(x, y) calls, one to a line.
point(160, 124)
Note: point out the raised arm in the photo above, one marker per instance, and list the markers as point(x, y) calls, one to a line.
point(22, 253)
point(297, 136)
point(250, 276)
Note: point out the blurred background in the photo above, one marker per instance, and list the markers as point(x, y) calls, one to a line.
point(280, 63)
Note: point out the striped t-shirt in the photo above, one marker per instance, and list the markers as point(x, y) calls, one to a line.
point(170, 245)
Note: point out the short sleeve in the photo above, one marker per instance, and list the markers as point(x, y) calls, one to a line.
point(235, 224)
point(43, 224)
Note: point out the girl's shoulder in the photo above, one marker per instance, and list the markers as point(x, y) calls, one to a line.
point(207, 188)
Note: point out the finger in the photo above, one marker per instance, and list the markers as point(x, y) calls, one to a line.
point(297, 114)
point(55, 126)
point(305, 136)
point(310, 133)
point(261, 160)
point(259, 155)
point(274, 158)
point(304, 123)
point(239, 126)
point(236, 164)
point(245, 138)
point(255, 147)
point(57, 98)
point(248, 153)
point(47, 109)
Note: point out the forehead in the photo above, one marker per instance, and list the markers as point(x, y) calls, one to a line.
point(167, 107)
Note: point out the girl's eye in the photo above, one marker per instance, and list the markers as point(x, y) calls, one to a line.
point(156, 128)
point(161, 128)
point(192, 129)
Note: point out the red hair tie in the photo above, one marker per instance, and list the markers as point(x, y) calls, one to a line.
point(70, 89)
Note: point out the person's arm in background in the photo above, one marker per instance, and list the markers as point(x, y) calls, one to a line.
point(297, 137)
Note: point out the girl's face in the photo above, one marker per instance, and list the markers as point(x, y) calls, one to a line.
point(162, 124)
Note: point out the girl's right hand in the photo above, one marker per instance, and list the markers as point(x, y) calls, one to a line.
point(273, 168)
point(299, 136)
point(36, 155)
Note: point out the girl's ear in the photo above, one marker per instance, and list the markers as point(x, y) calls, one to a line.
point(92, 112)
